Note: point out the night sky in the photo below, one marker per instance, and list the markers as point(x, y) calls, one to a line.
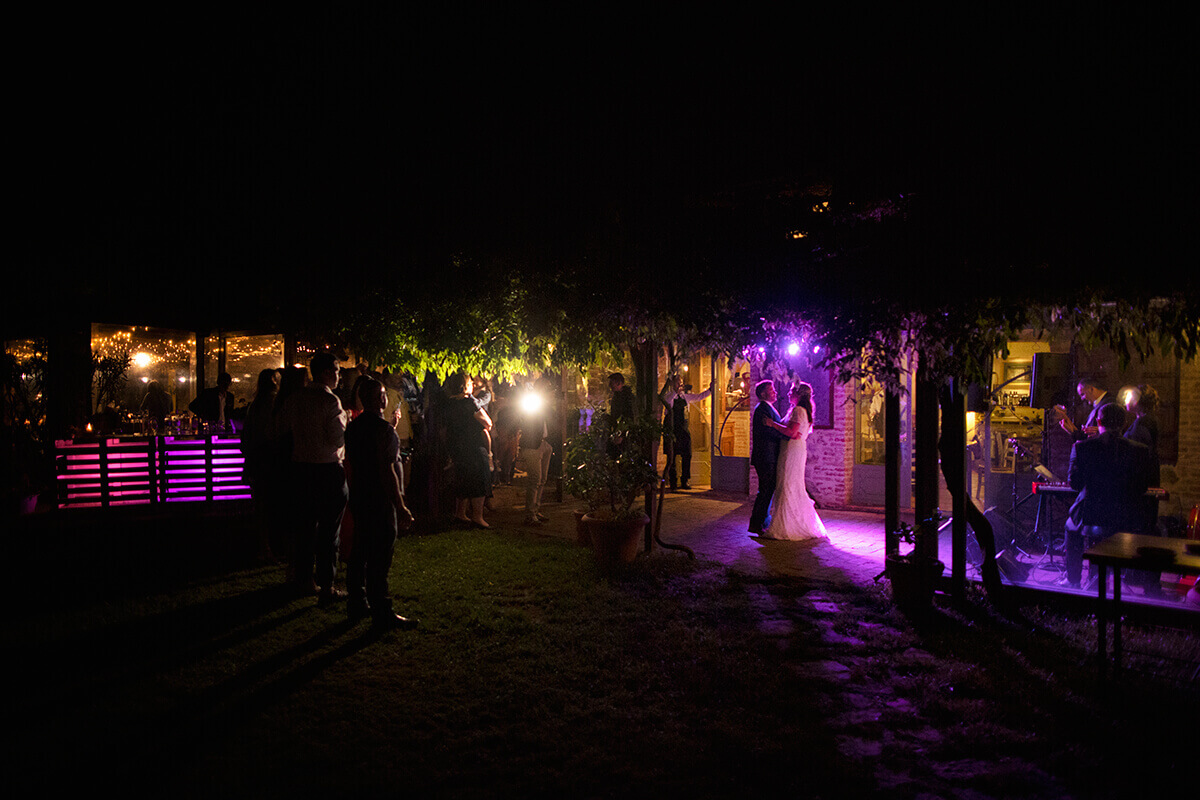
point(163, 161)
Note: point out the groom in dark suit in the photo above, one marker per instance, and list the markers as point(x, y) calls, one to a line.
point(1111, 474)
point(766, 433)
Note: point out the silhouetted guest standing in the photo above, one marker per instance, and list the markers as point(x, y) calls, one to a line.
point(377, 501)
point(317, 424)
point(675, 397)
point(1111, 474)
point(215, 404)
point(535, 458)
point(1141, 402)
point(260, 470)
point(157, 403)
point(256, 434)
point(466, 428)
point(507, 436)
point(621, 405)
point(766, 434)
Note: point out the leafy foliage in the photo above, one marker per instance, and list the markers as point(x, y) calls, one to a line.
point(108, 377)
point(901, 282)
point(609, 465)
point(882, 282)
point(25, 438)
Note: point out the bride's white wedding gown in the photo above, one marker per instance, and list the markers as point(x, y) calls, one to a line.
point(793, 515)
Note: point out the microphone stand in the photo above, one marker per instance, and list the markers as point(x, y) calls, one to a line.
point(1018, 449)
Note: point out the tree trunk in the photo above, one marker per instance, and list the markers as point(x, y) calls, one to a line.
point(645, 370)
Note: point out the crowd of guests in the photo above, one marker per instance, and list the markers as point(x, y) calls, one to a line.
point(320, 452)
point(326, 451)
point(336, 454)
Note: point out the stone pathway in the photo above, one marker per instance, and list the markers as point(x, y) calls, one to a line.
point(854, 675)
point(714, 525)
point(798, 588)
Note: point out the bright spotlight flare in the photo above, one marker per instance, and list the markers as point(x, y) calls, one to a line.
point(532, 402)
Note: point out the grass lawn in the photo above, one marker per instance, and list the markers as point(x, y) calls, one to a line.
point(159, 668)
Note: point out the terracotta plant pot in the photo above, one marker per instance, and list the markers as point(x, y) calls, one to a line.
point(615, 541)
point(582, 536)
point(27, 504)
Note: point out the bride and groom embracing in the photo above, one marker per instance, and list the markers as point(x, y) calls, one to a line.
point(779, 452)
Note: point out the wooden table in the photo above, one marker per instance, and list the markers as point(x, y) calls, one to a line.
point(1121, 550)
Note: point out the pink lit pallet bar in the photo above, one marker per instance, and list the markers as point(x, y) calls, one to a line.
point(141, 470)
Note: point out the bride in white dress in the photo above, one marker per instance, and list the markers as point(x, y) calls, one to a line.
point(794, 514)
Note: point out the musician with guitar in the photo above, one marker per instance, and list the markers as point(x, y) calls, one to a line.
point(1090, 391)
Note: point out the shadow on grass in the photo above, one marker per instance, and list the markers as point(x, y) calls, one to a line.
point(535, 673)
point(1027, 685)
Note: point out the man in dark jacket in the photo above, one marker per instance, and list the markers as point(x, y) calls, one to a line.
point(766, 434)
point(377, 503)
point(621, 405)
point(1091, 392)
point(1111, 474)
point(215, 404)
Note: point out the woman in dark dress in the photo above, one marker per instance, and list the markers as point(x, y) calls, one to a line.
point(261, 471)
point(467, 427)
point(1141, 401)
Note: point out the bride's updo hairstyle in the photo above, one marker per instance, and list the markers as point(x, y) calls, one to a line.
point(801, 395)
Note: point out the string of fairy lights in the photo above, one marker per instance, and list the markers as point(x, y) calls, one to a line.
point(22, 349)
point(170, 356)
point(150, 346)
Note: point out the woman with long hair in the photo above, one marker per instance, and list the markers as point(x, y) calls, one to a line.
point(794, 515)
point(262, 469)
point(1141, 401)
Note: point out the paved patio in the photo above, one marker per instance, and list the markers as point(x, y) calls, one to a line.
point(713, 524)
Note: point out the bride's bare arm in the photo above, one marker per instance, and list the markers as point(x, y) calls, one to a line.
point(770, 423)
point(797, 423)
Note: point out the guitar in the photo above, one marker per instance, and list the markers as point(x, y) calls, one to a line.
point(1193, 526)
point(1069, 425)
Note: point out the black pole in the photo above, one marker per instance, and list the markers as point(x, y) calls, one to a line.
point(925, 414)
point(954, 435)
point(891, 469)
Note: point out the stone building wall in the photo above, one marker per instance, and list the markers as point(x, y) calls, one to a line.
point(831, 453)
point(1183, 479)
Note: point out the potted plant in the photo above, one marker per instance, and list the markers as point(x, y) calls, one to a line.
point(582, 481)
point(913, 575)
point(609, 467)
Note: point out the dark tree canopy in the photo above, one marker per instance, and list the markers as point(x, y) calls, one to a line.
point(348, 173)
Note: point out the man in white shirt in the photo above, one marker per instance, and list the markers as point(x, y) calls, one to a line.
point(317, 423)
